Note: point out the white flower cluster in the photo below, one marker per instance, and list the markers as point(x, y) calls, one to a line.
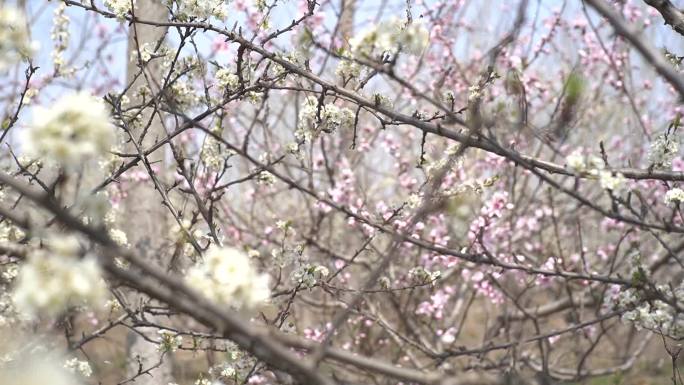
point(147, 51)
point(579, 163)
point(662, 151)
point(236, 369)
point(640, 308)
point(611, 181)
point(212, 155)
point(198, 9)
point(348, 70)
point(60, 36)
point(120, 8)
point(15, 43)
point(308, 275)
point(421, 275)
point(390, 37)
point(576, 161)
point(293, 58)
point(654, 315)
point(182, 94)
point(75, 128)
point(266, 178)
point(81, 367)
point(53, 279)
point(673, 196)
point(382, 100)
point(204, 381)
point(169, 341)
point(227, 80)
point(331, 116)
point(593, 165)
point(36, 369)
point(227, 276)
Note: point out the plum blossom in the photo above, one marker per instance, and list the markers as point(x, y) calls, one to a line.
point(610, 181)
point(227, 276)
point(120, 8)
point(662, 152)
point(673, 196)
point(54, 278)
point(75, 128)
point(389, 37)
point(15, 43)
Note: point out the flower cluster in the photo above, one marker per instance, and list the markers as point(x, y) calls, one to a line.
point(198, 9)
point(420, 275)
point(390, 37)
point(60, 37)
point(36, 369)
point(662, 151)
point(81, 367)
point(14, 37)
point(348, 69)
point(642, 309)
point(169, 341)
point(308, 275)
point(120, 8)
point(673, 196)
point(579, 163)
point(236, 369)
point(75, 128)
point(227, 80)
point(212, 155)
point(610, 181)
point(148, 51)
point(266, 178)
point(576, 161)
point(227, 276)
point(182, 94)
point(293, 58)
point(53, 279)
point(655, 315)
point(327, 118)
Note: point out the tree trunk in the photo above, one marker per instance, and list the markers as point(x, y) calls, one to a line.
point(149, 221)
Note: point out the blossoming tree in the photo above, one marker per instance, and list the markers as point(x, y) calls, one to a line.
point(341, 192)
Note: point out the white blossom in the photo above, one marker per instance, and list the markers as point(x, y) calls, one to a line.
point(348, 69)
point(576, 161)
point(414, 38)
point(36, 369)
point(662, 151)
point(75, 128)
point(382, 100)
point(15, 43)
point(202, 9)
point(389, 37)
point(169, 341)
point(227, 80)
point(308, 275)
point(74, 365)
point(266, 178)
point(675, 195)
point(60, 36)
point(120, 8)
point(183, 94)
point(203, 381)
point(54, 278)
point(611, 182)
point(119, 237)
point(328, 118)
point(212, 155)
point(227, 276)
point(420, 275)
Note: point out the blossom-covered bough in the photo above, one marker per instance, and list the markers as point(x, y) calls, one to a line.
point(341, 192)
